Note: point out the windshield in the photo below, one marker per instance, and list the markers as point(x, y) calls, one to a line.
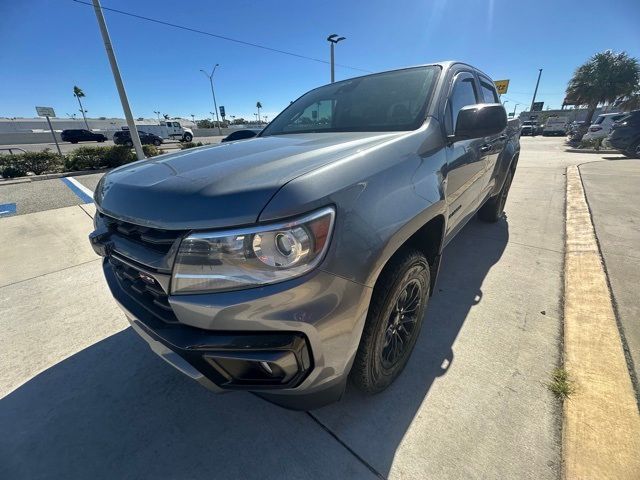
point(392, 101)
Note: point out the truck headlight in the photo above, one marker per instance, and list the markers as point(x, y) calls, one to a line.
point(249, 257)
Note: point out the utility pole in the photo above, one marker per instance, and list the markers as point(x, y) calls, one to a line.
point(333, 39)
point(133, 131)
point(535, 92)
point(213, 94)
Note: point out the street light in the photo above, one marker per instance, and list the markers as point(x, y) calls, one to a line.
point(213, 94)
point(514, 109)
point(505, 102)
point(333, 39)
point(157, 112)
point(535, 92)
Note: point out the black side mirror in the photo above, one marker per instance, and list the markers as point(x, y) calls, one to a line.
point(481, 120)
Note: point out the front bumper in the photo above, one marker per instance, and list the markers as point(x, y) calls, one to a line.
point(292, 343)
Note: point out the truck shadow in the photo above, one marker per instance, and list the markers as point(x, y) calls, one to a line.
point(113, 410)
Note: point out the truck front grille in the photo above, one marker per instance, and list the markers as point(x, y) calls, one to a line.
point(153, 238)
point(144, 289)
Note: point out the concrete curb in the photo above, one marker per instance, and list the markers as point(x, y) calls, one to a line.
point(49, 176)
point(604, 151)
point(601, 433)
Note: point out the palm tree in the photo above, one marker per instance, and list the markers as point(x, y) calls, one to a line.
point(604, 78)
point(78, 93)
point(258, 106)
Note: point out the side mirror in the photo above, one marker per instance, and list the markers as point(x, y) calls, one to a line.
point(481, 120)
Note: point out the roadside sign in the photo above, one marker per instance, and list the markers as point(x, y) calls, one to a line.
point(537, 106)
point(48, 112)
point(222, 112)
point(45, 112)
point(511, 114)
point(502, 86)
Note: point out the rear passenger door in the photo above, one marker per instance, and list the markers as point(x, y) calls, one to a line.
point(465, 159)
point(495, 143)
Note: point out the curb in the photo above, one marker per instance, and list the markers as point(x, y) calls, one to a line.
point(601, 427)
point(49, 176)
point(603, 151)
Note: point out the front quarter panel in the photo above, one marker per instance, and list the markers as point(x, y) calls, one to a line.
point(382, 196)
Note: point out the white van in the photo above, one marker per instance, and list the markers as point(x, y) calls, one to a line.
point(555, 125)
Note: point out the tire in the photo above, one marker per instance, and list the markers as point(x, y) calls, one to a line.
point(388, 337)
point(157, 142)
point(493, 209)
point(187, 137)
point(633, 151)
point(129, 143)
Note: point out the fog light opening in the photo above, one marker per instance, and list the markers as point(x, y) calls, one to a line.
point(267, 368)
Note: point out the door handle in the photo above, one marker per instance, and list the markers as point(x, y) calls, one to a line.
point(485, 148)
point(503, 136)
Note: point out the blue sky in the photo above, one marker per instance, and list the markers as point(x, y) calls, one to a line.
point(50, 45)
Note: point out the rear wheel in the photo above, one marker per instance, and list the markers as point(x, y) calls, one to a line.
point(393, 322)
point(129, 143)
point(493, 209)
point(633, 152)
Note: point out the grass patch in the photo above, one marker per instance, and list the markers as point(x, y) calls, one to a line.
point(560, 384)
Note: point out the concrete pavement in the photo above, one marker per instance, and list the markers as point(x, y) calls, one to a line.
point(85, 397)
point(612, 188)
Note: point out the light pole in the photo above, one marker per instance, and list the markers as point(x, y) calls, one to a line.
point(535, 92)
point(133, 131)
point(213, 94)
point(193, 118)
point(157, 112)
point(505, 102)
point(333, 39)
point(514, 109)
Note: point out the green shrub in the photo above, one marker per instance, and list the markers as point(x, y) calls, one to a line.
point(594, 143)
point(118, 155)
point(19, 165)
point(152, 150)
point(185, 145)
point(87, 158)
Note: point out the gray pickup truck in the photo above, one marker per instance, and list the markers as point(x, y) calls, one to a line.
point(286, 264)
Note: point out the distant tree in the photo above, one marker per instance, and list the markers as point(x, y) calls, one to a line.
point(630, 102)
point(258, 106)
point(78, 93)
point(604, 78)
point(239, 121)
point(205, 123)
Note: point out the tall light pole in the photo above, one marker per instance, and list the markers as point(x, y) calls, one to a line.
point(213, 94)
point(133, 131)
point(535, 92)
point(514, 109)
point(505, 102)
point(333, 39)
point(157, 112)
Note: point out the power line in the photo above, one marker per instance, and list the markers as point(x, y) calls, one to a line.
point(221, 37)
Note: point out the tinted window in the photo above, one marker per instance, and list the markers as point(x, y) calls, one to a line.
point(463, 94)
point(599, 120)
point(489, 92)
point(392, 101)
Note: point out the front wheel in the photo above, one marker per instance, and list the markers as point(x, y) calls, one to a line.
point(129, 143)
point(157, 142)
point(493, 209)
point(633, 152)
point(187, 137)
point(393, 322)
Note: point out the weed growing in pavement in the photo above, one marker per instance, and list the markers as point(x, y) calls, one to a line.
point(560, 383)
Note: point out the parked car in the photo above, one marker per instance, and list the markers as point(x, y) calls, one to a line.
point(625, 135)
point(287, 264)
point(529, 127)
point(555, 125)
point(123, 137)
point(241, 134)
point(602, 126)
point(80, 135)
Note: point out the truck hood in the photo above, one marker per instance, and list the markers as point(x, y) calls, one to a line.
point(223, 185)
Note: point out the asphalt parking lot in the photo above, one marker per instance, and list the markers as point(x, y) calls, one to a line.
point(82, 396)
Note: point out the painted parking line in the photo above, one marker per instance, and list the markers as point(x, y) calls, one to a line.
point(80, 190)
point(7, 209)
